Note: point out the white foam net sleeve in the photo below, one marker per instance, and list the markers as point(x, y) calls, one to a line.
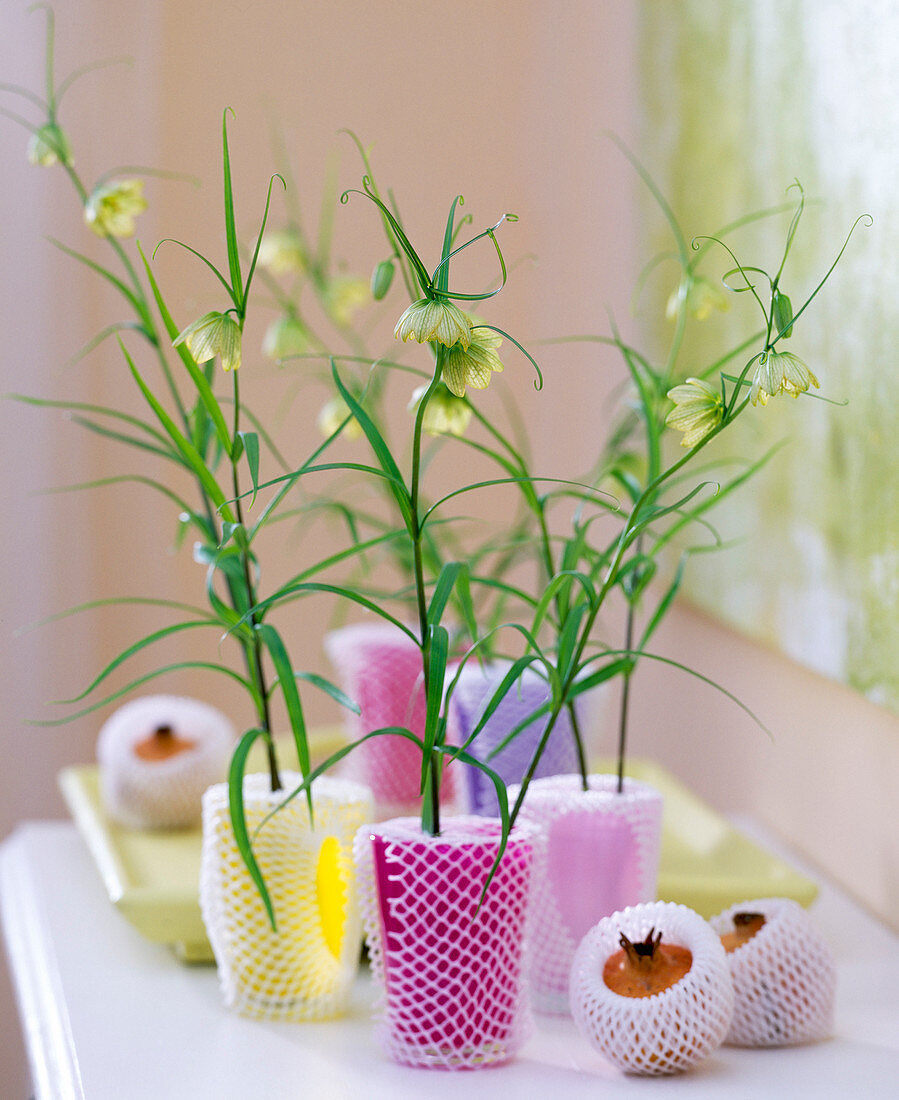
point(468, 702)
point(167, 793)
point(666, 1032)
point(784, 976)
point(451, 978)
point(602, 856)
point(380, 668)
point(305, 969)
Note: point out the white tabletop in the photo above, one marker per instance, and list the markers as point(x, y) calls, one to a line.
point(108, 1015)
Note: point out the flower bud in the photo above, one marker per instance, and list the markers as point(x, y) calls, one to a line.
point(783, 314)
point(381, 278)
point(48, 145)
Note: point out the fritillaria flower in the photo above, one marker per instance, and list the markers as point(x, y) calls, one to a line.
point(698, 410)
point(111, 208)
point(780, 372)
point(473, 364)
point(445, 414)
point(333, 413)
point(48, 145)
point(435, 319)
point(286, 336)
point(214, 334)
point(699, 295)
point(345, 295)
point(281, 252)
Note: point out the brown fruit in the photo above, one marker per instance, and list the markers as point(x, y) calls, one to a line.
point(745, 927)
point(645, 968)
point(162, 744)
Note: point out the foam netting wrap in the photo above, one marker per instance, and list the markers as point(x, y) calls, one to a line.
point(379, 667)
point(468, 702)
point(451, 978)
point(165, 793)
point(665, 1032)
point(603, 855)
point(305, 969)
point(784, 977)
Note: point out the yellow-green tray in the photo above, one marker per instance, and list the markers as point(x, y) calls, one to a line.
point(152, 875)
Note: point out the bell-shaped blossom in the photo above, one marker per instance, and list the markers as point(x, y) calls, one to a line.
point(445, 414)
point(214, 334)
point(332, 414)
point(435, 319)
point(344, 296)
point(698, 410)
point(472, 365)
point(780, 372)
point(699, 295)
point(286, 336)
point(49, 145)
point(281, 252)
point(112, 207)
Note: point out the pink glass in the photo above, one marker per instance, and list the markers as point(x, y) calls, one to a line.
point(602, 856)
point(379, 667)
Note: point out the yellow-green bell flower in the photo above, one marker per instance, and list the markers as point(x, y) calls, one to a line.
point(780, 372)
point(214, 334)
point(698, 410)
point(445, 414)
point(332, 415)
point(474, 364)
point(434, 319)
point(286, 336)
point(699, 295)
point(112, 207)
point(344, 296)
point(282, 253)
point(48, 145)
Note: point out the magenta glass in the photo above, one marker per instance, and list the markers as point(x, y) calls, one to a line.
point(451, 974)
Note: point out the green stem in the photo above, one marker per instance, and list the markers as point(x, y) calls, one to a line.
point(252, 650)
point(430, 822)
point(625, 698)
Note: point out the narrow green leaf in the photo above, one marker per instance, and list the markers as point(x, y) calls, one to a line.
point(439, 652)
point(330, 689)
point(136, 647)
point(165, 670)
point(664, 604)
point(239, 818)
point(185, 447)
point(443, 590)
point(250, 442)
point(204, 390)
point(230, 227)
point(443, 270)
point(287, 679)
point(382, 453)
point(137, 305)
point(502, 798)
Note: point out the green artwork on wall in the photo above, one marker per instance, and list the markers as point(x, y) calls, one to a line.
point(740, 98)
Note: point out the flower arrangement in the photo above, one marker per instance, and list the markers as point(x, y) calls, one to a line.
point(542, 583)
